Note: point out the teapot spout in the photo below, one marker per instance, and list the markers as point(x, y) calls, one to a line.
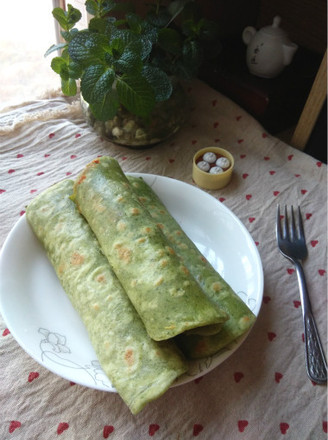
point(289, 52)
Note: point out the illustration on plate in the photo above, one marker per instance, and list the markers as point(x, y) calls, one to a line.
point(54, 350)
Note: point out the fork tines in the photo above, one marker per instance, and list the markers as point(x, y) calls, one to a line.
point(289, 227)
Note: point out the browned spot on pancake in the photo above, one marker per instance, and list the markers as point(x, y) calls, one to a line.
point(135, 211)
point(159, 281)
point(96, 161)
point(184, 270)
point(160, 225)
point(142, 199)
point(178, 232)
point(81, 178)
point(203, 258)
point(147, 230)
point(61, 268)
point(163, 263)
point(141, 240)
point(77, 259)
point(128, 357)
point(170, 250)
point(162, 211)
point(123, 252)
point(216, 287)
point(101, 278)
point(121, 226)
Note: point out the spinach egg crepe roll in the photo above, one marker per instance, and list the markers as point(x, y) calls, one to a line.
point(215, 287)
point(139, 368)
point(167, 298)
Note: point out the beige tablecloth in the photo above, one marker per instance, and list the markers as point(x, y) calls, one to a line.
point(262, 390)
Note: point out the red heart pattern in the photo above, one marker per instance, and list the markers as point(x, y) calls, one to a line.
point(108, 429)
point(278, 377)
point(152, 429)
point(198, 379)
point(314, 243)
point(14, 424)
point(238, 376)
point(197, 429)
point(271, 336)
point(266, 299)
point(33, 375)
point(284, 428)
point(62, 427)
point(6, 332)
point(242, 424)
point(297, 304)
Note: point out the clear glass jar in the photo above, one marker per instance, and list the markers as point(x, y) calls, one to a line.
point(132, 131)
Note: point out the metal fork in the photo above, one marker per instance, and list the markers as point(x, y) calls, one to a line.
point(292, 245)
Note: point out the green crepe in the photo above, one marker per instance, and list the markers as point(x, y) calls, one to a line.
point(167, 298)
point(139, 368)
point(240, 316)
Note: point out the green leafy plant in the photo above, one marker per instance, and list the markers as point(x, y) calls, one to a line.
point(129, 61)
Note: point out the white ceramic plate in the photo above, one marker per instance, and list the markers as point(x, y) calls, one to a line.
point(43, 321)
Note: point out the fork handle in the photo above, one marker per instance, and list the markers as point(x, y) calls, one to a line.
point(315, 359)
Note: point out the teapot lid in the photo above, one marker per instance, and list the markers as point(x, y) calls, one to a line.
point(274, 30)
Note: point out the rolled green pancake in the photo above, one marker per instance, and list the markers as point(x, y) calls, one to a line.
point(215, 287)
point(167, 298)
point(139, 368)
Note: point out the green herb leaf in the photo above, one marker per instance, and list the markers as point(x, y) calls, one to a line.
point(75, 70)
point(96, 82)
point(129, 62)
point(88, 48)
point(136, 94)
point(159, 81)
point(98, 25)
point(68, 86)
point(55, 47)
point(58, 64)
point(192, 55)
point(170, 40)
point(68, 35)
point(107, 108)
point(67, 19)
point(92, 7)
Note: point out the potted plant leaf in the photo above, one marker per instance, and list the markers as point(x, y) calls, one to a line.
point(128, 66)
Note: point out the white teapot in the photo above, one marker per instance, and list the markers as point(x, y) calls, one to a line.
point(269, 50)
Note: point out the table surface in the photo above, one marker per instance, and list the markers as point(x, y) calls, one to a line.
point(262, 391)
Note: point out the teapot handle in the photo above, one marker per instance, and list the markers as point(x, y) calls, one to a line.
point(248, 34)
